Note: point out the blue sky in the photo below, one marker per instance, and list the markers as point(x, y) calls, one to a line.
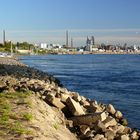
point(110, 21)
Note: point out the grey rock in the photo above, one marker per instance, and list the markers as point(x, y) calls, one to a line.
point(110, 108)
point(134, 136)
point(74, 107)
point(110, 135)
point(118, 115)
point(109, 122)
point(98, 137)
point(54, 101)
point(84, 129)
point(88, 119)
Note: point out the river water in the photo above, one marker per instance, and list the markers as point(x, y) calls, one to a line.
point(106, 78)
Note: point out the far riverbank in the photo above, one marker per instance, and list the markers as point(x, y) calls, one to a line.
point(107, 52)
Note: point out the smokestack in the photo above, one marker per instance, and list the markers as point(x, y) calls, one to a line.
point(3, 37)
point(71, 42)
point(67, 39)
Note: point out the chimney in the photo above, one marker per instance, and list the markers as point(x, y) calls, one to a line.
point(3, 37)
point(67, 39)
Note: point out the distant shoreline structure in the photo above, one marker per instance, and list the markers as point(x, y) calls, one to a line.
point(113, 53)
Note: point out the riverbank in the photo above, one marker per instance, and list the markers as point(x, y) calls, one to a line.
point(72, 114)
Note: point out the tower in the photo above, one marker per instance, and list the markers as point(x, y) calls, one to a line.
point(71, 42)
point(3, 37)
point(92, 40)
point(88, 41)
point(67, 39)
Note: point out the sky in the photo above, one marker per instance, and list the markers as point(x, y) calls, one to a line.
point(35, 21)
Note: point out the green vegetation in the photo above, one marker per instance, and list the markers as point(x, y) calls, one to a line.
point(56, 126)
point(27, 116)
point(15, 95)
point(12, 116)
point(19, 129)
point(23, 46)
point(5, 109)
point(6, 47)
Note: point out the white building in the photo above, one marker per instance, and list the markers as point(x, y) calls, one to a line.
point(49, 47)
point(43, 46)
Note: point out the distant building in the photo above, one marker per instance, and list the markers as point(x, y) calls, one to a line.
point(80, 50)
point(49, 47)
point(135, 48)
point(43, 46)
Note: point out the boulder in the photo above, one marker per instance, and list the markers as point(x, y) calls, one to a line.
point(88, 119)
point(35, 87)
point(74, 107)
point(69, 123)
point(83, 98)
point(98, 137)
point(127, 130)
point(84, 103)
point(64, 97)
point(110, 135)
point(90, 134)
point(118, 115)
point(77, 97)
point(84, 129)
point(94, 107)
point(134, 136)
point(54, 101)
point(100, 127)
point(110, 108)
point(63, 90)
point(103, 139)
point(124, 137)
point(124, 122)
point(120, 129)
point(109, 122)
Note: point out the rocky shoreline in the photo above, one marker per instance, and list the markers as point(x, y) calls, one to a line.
point(86, 119)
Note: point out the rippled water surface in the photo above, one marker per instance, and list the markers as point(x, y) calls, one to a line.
point(111, 79)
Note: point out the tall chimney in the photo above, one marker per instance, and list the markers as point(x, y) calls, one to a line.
point(71, 42)
point(67, 39)
point(3, 37)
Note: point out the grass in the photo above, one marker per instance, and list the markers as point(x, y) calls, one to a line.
point(15, 95)
point(27, 116)
point(5, 109)
point(11, 121)
point(19, 129)
point(4, 117)
point(56, 126)
point(24, 101)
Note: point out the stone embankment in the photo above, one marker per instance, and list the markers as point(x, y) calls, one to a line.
point(86, 119)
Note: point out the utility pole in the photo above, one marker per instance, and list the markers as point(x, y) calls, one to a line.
point(67, 39)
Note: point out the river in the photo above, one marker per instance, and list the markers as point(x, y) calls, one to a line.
point(106, 78)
